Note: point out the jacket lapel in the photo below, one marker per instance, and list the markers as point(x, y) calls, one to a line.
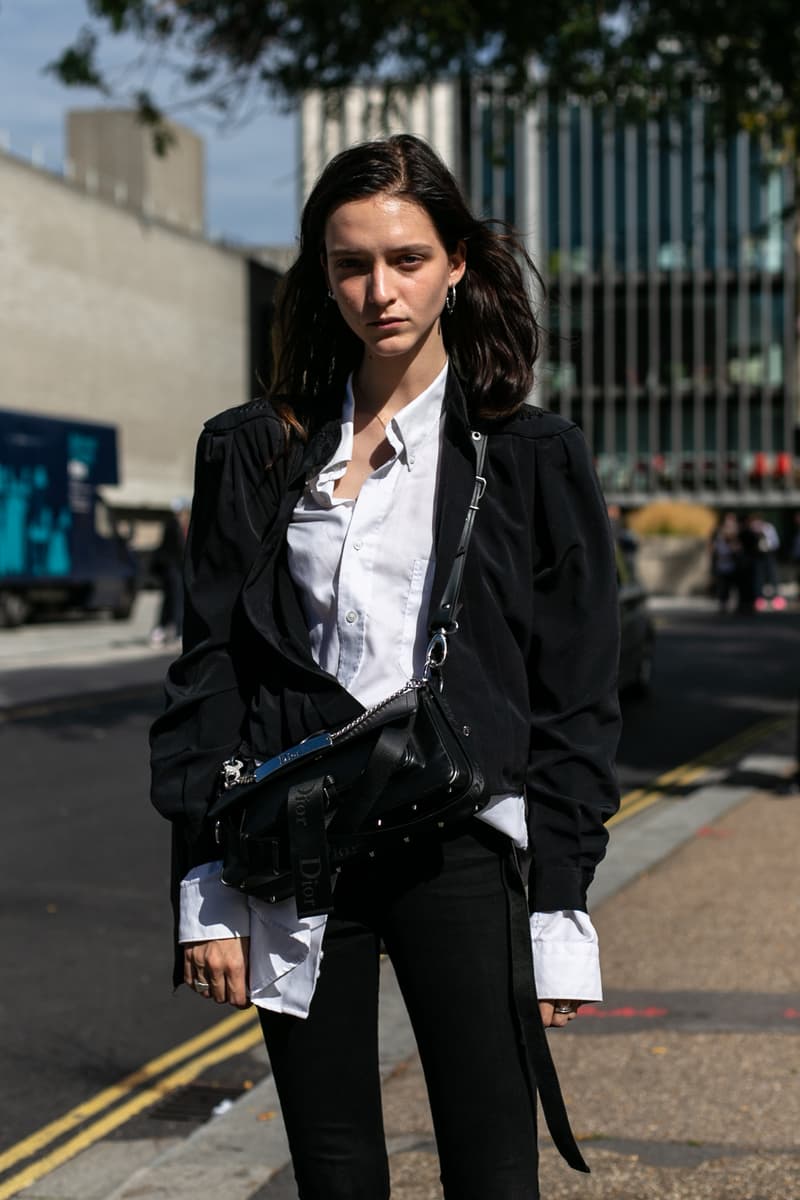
point(268, 595)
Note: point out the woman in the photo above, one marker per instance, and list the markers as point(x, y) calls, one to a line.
point(325, 523)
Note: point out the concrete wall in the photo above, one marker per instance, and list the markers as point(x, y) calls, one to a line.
point(106, 315)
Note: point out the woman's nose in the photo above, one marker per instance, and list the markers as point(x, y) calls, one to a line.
point(380, 286)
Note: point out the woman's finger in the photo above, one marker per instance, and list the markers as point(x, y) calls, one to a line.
point(558, 1013)
point(195, 968)
point(214, 970)
point(189, 967)
point(217, 970)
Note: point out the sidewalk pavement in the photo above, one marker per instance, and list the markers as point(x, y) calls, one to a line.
point(60, 660)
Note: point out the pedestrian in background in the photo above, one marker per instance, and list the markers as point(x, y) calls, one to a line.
point(747, 564)
point(767, 583)
point(324, 524)
point(625, 538)
point(167, 566)
point(724, 549)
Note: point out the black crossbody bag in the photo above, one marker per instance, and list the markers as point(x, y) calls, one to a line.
point(402, 768)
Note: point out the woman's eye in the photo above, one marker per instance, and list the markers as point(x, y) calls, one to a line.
point(411, 260)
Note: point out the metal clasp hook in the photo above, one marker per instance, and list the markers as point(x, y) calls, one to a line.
point(435, 654)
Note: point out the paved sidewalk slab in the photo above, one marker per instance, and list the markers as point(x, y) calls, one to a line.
point(57, 660)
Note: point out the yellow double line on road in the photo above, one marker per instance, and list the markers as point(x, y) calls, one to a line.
point(222, 1044)
point(688, 773)
point(241, 1032)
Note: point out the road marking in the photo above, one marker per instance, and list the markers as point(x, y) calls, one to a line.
point(111, 1121)
point(89, 1108)
point(687, 773)
point(627, 1012)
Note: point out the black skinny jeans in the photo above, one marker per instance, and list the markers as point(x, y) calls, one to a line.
point(441, 910)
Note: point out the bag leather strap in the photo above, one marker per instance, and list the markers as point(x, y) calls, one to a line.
point(444, 618)
point(541, 1071)
point(308, 848)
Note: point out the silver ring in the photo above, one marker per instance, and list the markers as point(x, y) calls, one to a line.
point(564, 1009)
point(199, 984)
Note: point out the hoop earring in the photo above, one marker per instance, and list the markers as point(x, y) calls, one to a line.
point(330, 293)
point(450, 300)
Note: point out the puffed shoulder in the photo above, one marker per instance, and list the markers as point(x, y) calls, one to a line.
point(535, 423)
point(241, 414)
point(252, 433)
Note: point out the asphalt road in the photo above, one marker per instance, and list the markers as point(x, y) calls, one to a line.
point(84, 913)
point(84, 919)
point(714, 676)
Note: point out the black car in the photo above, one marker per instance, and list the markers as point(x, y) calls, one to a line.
point(637, 629)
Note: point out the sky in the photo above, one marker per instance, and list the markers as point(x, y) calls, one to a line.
point(251, 170)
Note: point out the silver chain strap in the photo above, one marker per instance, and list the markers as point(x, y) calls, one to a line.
point(435, 655)
point(352, 726)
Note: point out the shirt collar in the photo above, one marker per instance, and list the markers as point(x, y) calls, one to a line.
point(408, 429)
point(336, 466)
point(414, 423)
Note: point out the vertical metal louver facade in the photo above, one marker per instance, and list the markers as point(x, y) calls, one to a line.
point(672, 264)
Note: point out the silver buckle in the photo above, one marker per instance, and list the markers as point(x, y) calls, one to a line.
point(231, 773)
point(477, 495)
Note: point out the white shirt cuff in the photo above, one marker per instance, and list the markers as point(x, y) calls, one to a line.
point(285, 956)
point(210, 910)
point(566, 956)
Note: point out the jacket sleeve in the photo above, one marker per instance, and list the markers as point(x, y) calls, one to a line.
point(207, 688)
point(575, 723)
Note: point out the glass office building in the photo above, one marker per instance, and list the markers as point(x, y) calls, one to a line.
point(670, 261)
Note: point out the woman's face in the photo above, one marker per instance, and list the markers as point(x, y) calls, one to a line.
point(389, 272)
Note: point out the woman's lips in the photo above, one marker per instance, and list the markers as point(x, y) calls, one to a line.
point(387, 322)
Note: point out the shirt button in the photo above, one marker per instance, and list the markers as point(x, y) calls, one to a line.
point(412, 458)
point(357, 545)
point(351, 616)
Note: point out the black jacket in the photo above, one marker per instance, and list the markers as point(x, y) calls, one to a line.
point(532, 668)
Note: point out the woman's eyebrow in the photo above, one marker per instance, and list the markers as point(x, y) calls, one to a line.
point(415, 248)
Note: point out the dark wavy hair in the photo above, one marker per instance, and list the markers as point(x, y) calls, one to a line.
point(492, 337)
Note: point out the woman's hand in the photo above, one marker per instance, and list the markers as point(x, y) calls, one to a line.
point(218, 970)
point(554, 1014)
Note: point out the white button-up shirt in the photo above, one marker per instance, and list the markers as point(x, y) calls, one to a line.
point(364, 568)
